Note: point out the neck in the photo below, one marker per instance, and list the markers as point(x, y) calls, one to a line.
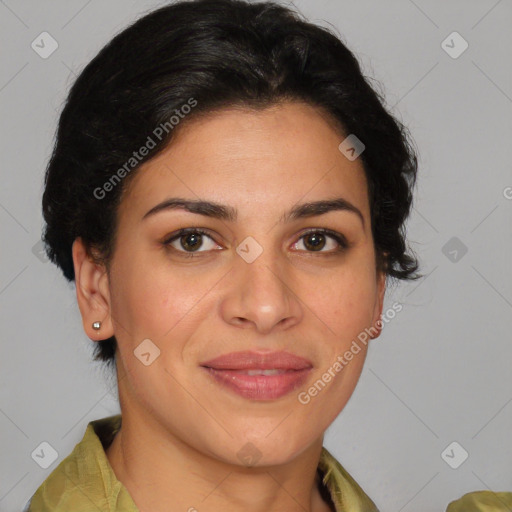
point(165, 474)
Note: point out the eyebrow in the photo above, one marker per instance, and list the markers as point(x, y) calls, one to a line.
point(228, 213)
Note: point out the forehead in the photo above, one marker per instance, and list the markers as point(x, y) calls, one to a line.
point(239, 155)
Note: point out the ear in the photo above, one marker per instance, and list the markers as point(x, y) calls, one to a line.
point(379, 304)
point(92, 292)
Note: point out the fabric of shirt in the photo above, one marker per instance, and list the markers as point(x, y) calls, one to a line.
point(85, 482)
point(482, 501)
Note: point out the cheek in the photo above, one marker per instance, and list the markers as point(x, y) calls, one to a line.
point(153, 300)
point(145, 303)
point(345, 308)
point(344, 302)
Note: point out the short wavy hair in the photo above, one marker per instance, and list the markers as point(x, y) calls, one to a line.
point(221, 53)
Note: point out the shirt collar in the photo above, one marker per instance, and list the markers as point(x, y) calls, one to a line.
point(86, 477)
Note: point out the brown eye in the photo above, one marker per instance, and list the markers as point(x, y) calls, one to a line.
point(190, 240)
point(319, 239)
point(314, 241)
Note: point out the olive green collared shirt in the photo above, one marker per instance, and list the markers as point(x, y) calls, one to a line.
point(85, 482)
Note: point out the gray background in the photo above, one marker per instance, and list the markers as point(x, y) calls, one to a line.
point(439, 373)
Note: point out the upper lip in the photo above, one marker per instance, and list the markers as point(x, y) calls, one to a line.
point(250, 360)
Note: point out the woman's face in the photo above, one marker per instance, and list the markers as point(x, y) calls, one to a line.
point(256, 281)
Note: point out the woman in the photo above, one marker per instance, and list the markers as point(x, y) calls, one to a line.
point(229, 195)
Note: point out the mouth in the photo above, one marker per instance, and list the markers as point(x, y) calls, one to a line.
point(259, 376)
point(273, 371)
point(250, 360)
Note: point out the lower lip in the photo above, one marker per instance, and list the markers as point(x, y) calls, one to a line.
point(260, 387)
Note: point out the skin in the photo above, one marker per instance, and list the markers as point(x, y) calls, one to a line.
point(181, 430)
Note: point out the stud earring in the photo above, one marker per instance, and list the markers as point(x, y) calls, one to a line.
point(96, 326)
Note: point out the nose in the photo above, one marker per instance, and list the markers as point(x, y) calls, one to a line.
point(260, 295)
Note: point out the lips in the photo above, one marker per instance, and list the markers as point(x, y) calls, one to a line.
point(259, 376)
point(250, 360)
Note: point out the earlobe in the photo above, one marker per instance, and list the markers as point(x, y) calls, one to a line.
point(93, 295)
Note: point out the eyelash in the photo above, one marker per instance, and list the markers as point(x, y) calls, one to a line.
point(338, 237)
